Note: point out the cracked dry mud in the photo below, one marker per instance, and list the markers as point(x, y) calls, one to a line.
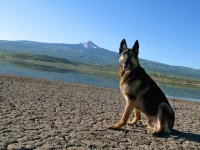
point(41, 114)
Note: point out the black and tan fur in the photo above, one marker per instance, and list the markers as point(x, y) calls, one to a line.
point(142, 94)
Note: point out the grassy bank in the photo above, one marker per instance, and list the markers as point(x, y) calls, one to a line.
point(61, 65)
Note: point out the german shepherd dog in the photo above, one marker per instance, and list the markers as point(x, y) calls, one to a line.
point(142, 94)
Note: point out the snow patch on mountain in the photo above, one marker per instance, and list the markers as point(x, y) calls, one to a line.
point(89, 44)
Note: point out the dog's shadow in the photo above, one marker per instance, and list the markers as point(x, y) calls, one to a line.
point(187, 136)
point(175, 134)
point(179, 135)
point(182, 135)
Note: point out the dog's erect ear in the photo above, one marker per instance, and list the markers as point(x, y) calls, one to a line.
point(135, 47)
point(122, 46)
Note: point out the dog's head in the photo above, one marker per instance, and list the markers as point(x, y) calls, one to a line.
point(128, 59)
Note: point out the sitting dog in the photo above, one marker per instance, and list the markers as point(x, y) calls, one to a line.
point(142, 94)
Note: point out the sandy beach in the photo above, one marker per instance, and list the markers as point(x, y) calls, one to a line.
point(42, 114)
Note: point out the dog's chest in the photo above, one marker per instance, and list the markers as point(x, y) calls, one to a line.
point(130, 90)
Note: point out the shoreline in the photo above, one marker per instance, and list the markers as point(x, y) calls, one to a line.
point(45, 114)
point(184, 99)
point(168, 96)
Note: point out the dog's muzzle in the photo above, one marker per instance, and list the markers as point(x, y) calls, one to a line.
point(126, 64)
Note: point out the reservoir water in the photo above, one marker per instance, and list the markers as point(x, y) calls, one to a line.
point(176, 92)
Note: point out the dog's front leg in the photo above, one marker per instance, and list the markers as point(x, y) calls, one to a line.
point(125, 116)
point(137, 116)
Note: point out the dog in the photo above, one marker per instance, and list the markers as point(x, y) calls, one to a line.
point(142, 94)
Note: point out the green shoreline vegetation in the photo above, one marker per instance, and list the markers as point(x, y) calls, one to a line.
point(61, 65)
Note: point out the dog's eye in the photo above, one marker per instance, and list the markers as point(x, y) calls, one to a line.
point(125, 56)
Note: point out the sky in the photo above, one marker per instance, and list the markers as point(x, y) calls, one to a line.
point(168, 31)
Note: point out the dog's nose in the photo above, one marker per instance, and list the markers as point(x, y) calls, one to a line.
point(125, 60)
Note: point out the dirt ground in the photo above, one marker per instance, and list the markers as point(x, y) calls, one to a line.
point(41, 114)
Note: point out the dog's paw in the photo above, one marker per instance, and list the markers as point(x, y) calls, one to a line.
point(113, 128)
point(157, 134)
point(131, 122)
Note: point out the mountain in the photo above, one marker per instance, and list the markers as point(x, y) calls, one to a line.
point(88, 52)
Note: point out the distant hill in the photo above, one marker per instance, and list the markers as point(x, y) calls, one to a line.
point(88, 52)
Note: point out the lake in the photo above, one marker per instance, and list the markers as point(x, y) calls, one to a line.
point(175, 92)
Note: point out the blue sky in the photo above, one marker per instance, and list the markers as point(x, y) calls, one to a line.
point(168, 31)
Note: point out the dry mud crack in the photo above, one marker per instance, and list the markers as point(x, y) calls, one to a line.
point(40, 114)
